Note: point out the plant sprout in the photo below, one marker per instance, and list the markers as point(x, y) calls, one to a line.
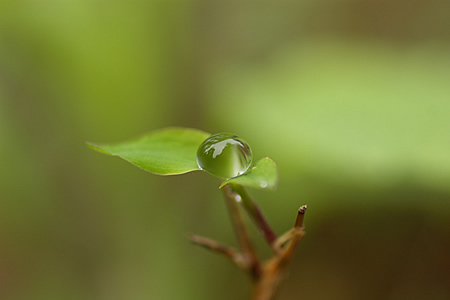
point(174, 151)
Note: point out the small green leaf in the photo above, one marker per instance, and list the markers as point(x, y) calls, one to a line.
point(169, 151)
point(264, 175)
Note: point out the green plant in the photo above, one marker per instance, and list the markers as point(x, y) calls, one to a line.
point(173, 151)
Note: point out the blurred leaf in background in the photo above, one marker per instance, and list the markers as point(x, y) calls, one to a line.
point(351, 111)
point(72, 71)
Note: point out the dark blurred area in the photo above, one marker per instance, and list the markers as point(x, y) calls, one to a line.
point(350, 98)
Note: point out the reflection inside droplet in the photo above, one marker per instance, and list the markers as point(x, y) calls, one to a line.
point(224, 155)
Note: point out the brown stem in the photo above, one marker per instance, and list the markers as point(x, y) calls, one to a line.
point(283, 239)
point(255, 213)
point(220, 248)
point(267, 277)
point(275, 269)
point(250, 258)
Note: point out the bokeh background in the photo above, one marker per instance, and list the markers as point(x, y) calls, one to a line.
point(350, 98)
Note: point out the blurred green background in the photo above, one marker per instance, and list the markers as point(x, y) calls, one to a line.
point(350, 98)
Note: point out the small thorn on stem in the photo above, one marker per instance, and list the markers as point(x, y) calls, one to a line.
point(302, 209)
point(300, 216)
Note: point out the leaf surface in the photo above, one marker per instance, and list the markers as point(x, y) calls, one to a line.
point(169, 151)
point(264, 175)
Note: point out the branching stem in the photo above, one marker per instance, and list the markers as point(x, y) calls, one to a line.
point(220, 248)
point(250, 257)
point(255, 213)
point(268, 276)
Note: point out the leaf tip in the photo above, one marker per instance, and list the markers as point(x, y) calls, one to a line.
point(97, 148)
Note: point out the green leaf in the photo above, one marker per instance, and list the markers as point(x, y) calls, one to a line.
point(264, 175)
point(169, 151)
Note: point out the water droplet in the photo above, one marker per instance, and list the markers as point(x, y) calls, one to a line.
point(224, 155)
point(238, 198)
point(263, 184)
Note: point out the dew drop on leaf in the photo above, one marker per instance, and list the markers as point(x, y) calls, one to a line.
point(224, 155)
